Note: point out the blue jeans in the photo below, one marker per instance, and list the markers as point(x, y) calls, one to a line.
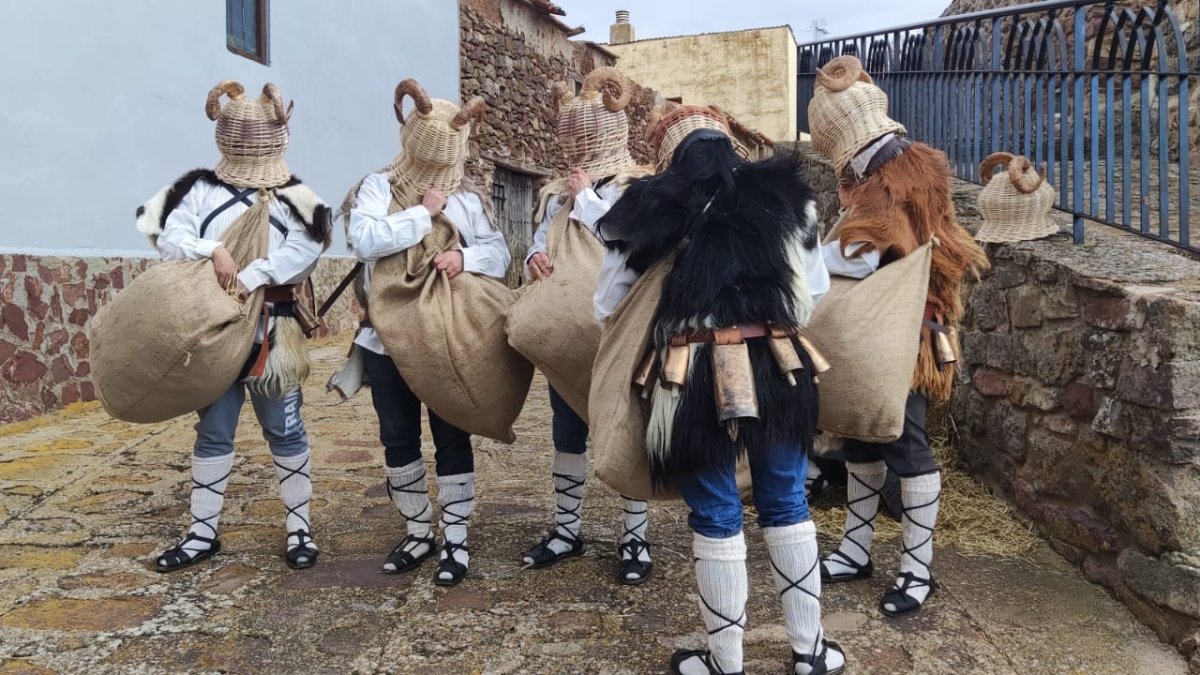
point(279, 418)
point(569, 430)
point(778, 475)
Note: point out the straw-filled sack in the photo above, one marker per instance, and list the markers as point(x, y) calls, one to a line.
point(553, 322)
point(174, 340)
point(447, 337)
point(670, 123)
point(870, 330)
point(593, 127)
point(618, 413)
point(847, 111)
point(1016, 204)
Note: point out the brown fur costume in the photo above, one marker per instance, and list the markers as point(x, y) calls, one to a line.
point(897, 209)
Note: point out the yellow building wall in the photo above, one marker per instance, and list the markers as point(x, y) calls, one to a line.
point(750, 73)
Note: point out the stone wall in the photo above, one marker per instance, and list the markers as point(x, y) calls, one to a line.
point(45, 305)
point(1080, 402)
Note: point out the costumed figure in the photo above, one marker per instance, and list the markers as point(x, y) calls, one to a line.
point(253, 191)
point(896, 196)
point(593, 130)
point(422, 196)
point(727, 374)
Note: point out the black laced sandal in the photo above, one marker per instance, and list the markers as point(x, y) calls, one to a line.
point(860, 571)
point(543, 556)
point(303, 555)
point(683, 655)
point(817, 662)
point(402, 558)
point(456, 569)
point(177, 557)
point(902, 603)
point(631, 565)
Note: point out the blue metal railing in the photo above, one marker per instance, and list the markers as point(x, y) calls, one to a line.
point(1095, 92)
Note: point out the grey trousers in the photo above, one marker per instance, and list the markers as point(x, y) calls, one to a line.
point(279, 418)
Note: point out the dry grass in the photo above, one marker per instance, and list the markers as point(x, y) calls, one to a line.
point(971, 520)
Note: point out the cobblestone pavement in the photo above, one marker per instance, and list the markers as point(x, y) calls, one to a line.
point(85, 502)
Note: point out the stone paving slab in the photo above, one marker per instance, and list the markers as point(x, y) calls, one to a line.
point(85, 502)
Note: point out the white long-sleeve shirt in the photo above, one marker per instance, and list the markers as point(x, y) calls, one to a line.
point(374, 234)
point(290, 259)
point(848, 264)
point(614, 266)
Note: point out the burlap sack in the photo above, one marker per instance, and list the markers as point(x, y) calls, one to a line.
point(617, 410)
point(447, 337)
point(869, 330)
point(553, 322)
point(174, 340)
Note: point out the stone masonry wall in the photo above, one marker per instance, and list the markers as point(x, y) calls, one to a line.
point(45, 305)
point(1080, 402)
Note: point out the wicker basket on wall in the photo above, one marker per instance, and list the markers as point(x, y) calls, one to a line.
point(1017, 203)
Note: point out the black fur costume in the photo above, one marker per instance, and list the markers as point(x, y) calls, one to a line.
point(732, 223)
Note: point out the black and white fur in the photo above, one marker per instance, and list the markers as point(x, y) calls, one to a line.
point(305, 205)
point(738, 227)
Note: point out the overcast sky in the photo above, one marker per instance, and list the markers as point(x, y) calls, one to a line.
point(658, 18)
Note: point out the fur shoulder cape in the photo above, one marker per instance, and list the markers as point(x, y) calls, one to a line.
point(558, 188)
point(896, 210)
point(304, 204)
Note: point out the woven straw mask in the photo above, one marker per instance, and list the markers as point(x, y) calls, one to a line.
point(1015, 204)
point(434, 140)
point(593, 127)
point(672, 122)
point(847, 111)
point(252, 135)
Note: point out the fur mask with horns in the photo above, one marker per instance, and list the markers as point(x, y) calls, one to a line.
point(252, 135)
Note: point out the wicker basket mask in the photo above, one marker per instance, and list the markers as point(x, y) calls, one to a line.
point(593, 128)
point(672, 122)
point(252, 135)
point(433, 141)
point(1016, 204)
point(847, 111)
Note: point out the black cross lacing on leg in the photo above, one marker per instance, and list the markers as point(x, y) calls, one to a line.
point(863, 522)
point(197, 485)
point(451, 518)
point(573, 491)
point(739, 622)
point(425, 517)
point(636, 542)
point(795, 584)
point(911, 552)
point(302, 534)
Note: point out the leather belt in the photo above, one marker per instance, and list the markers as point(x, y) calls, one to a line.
point(280, 294)
point(745, 331)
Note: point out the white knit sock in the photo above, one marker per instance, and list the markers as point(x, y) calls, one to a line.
point(920, 496)
point(456, 497)
point(570, 474)
point(865, 481)
point(210, 475)
point(721, 580)
point(409, 489)
point(793, 552)
point(633, 526)
point(295, 489)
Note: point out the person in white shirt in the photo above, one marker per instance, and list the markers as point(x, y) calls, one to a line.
point(186, 222)
point(747, 269)
point(378, 226)
point(594, 133)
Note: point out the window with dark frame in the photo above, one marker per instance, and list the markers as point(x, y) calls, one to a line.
point(247, 29)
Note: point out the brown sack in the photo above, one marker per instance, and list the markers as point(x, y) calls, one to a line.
point(618, 411)
point(174, 340)
point(553, 322)
point(447, 337)
point(869, 330)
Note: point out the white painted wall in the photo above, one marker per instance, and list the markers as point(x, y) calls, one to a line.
point(102, 102)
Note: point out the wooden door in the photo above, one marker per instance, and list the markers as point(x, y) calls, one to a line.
point(512, 198)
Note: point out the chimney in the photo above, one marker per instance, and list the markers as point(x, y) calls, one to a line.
point(621, 31)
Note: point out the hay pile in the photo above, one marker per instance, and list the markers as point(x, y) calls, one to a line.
point(971, 520)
